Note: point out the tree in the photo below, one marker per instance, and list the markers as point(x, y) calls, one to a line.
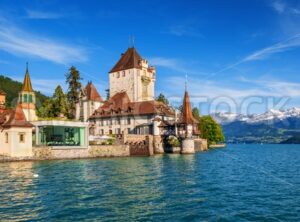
point(196, 113)
point(211, 130)
point(74, 85)
point(59, 102)
point(161, 97)
point(45, 110)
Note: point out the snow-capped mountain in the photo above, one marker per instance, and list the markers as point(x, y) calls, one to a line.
point(271, 115)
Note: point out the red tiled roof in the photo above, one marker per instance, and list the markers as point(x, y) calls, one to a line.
point(186, 112)
point(14, 118)
point(120, 105)
point(130, 59)
point(92, 93)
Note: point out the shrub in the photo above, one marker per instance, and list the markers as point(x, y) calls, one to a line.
point(173, 141)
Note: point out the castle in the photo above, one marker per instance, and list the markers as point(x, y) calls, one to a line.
point(131, 107)
point(130, 114)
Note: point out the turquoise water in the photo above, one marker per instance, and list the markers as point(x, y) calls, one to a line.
point(238, 183)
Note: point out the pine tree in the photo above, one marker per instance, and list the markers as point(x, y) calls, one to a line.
point(161, 97)
point(59, 102)
point(74, 85)
point(196, 113)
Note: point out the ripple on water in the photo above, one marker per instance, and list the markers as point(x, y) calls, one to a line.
point(241, 182)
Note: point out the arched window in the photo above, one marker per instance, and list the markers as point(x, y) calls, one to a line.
point(30, 99)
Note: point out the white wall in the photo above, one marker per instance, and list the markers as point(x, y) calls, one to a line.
point(14, 147)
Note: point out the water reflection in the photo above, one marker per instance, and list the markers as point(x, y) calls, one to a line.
point(205, 186)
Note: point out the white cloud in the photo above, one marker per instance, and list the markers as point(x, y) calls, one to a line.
point(185, 30)
point(34, 14)
point(278, 6)
point(20, 42)
point(282, 7)
point(176, 65)
point(213, 89)
point(288, 44)
point(46, 86)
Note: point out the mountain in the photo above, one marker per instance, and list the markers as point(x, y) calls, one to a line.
point(273, 126)
point(12, 89)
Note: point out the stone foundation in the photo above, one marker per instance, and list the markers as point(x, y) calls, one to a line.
point(201, 145)
point(188, 146)
point(76, 153)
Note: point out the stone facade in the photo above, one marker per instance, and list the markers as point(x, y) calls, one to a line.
point(187, 146)
point(133, 75)
point(200, 145)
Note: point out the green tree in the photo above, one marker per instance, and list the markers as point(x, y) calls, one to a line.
point(196, 113)
point(161, 97)
point(74, 85)
point(59, 102)
point(45, 110)
point(211, 130)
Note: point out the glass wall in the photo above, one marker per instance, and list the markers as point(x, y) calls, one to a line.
point(61, 136)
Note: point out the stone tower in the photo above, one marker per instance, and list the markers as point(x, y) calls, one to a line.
point(133, 75)
point(188, 125)
point(89, 101)
point(27, 98)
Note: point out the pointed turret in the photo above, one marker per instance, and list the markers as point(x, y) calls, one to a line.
point(27, 87)
point(27, 98)
point(187, 114)
point(92, 93)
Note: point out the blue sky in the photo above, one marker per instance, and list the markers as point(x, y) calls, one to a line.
point(234, 51)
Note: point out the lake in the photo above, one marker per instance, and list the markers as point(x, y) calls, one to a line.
point(237, 183)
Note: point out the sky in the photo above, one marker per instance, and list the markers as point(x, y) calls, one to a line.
point(235, 55)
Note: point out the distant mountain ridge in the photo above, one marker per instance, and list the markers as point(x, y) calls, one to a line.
point(273, 126)
point(12, 89)
point(271, 115)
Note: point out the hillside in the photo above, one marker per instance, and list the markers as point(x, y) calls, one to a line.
point(12, 88)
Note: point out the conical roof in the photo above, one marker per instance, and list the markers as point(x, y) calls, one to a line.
point(187, 114)
point(92, 93)
point(130, 59)
point(27, 87)
point(16, 118)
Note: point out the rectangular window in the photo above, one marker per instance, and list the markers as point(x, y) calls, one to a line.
point(25, 98)
point(30, 99)
point(128, 121)
point(22, 138)
point(118, 131)
point(6, 137)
